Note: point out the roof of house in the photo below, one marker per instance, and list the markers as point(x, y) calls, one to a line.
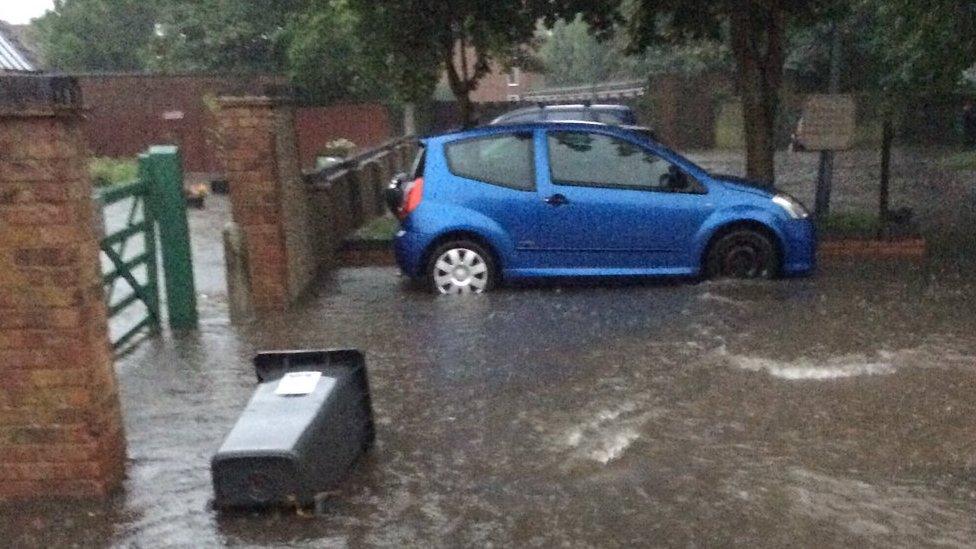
point(14, 57)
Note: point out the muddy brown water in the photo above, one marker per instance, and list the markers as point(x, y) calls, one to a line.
point(833, 410)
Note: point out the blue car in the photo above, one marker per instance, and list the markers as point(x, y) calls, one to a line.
point(578, 199)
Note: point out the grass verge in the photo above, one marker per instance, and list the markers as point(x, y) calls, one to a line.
point(112, 171)
point(381, 228)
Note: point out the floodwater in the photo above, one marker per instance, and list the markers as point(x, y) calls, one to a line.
point(833, 410)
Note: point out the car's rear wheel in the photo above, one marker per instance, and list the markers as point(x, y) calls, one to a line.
point(742, 253)
point(461, 267)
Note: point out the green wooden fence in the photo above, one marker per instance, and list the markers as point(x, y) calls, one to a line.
point(155, 227)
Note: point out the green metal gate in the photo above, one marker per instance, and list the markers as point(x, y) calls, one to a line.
point(155, 227)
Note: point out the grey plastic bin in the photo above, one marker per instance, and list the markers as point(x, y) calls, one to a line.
point(284, 450)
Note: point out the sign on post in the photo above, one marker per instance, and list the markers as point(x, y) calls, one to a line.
point(827, 123)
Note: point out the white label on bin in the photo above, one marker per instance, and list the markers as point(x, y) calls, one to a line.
point(298, 383)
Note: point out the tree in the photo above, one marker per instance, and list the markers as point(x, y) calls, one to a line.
point(413, 40)
point(97, 35)
point(325, 58)
point(754, 30)
point(572, 55)
point(224, 35)
point(915, 48)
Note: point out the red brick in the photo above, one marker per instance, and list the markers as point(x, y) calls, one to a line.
point(54, 489)
point(49, 453)
point(33, 415)
point(54, 317)
point(17, 396)
point(29, 170)
point(44, 434)
point(18, 236)
point(23, 297)
point(46, 257)
point(39, 214)
point(41, 340)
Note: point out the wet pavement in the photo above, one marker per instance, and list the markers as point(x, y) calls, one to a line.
point(831, 410)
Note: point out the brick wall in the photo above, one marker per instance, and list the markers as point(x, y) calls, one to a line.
point(60, 424)
point(248, 151)
point(126, 113)
point(292, 224)
point(367, 125)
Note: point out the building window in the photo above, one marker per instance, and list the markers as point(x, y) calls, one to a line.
point(513, 76)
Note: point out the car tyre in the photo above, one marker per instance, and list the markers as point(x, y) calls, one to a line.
point(743, 254)
point(461, 267)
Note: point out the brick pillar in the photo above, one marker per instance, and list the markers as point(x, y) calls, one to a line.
point(60, 423)
point(269, 200)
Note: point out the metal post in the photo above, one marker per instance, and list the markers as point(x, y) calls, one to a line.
point(826, 169)
point(149, 241)
point(166, 173)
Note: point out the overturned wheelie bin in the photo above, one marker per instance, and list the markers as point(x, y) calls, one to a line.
point(307, 422)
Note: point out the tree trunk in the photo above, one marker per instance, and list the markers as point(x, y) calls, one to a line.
point(459, 80)
point(757, 43)
point(887, 136)
point(409, 119)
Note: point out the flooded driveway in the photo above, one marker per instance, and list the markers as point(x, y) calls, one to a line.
point(838, 409)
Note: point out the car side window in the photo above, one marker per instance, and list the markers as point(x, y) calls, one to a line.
point(505, 160)
point(597, 160)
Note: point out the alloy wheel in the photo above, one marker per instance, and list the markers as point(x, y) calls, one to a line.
point(460, 271)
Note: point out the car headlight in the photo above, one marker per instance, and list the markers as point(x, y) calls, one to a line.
point(792, 206)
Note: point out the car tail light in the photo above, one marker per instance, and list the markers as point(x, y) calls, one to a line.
point(414, 192)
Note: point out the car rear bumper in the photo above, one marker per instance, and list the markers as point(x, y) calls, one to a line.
point(409, 246)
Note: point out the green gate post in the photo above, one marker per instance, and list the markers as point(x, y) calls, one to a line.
point(169, 209)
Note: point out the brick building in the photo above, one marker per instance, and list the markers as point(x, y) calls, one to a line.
point(500, 84)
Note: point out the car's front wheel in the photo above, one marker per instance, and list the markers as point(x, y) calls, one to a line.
point(461, 267)
point(742, 253)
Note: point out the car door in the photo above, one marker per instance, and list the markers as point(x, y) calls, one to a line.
point(615, 204)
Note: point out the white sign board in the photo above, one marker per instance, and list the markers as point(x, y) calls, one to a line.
point(828, 122)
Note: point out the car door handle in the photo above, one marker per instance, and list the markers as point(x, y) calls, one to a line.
point(557, 200)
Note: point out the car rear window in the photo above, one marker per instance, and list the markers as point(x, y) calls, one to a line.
point(505, 160)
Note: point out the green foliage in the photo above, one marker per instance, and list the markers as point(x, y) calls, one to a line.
point(325, 58)
point(314, 42)
point(380, 228)
point(849, 225)
point(918, 46)
point(412, 41)
point(224, 35)
point(112, 171)
point(961, 161)
point(97, 35)
point(572, 55)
